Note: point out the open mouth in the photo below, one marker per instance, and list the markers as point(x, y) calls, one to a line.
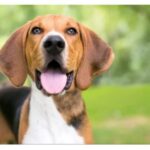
point(54, 79)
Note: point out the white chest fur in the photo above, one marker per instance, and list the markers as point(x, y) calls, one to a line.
point(46, 125)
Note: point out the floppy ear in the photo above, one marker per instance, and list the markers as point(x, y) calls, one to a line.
point(97, 57)
point(12, 57)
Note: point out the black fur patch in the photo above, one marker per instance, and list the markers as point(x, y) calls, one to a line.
point(76, 121)
point(11, 101)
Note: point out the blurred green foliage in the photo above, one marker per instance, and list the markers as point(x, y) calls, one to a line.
point(126, 28)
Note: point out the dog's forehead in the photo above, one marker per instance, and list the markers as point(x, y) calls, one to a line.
point(53, 21)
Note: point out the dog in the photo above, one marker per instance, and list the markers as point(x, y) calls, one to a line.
point(61, 56)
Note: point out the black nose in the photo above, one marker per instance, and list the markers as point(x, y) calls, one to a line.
point(54, 45)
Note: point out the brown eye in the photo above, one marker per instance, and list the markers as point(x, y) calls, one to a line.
point(36, 30)
point(71, 31)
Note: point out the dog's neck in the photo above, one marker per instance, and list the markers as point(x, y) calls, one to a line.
point(47, 125)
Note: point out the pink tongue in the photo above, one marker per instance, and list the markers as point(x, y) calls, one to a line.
point(53, 81)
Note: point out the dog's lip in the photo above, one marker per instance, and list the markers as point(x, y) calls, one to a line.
point(38, 72)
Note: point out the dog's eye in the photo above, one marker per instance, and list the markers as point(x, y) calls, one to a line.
point(36, 30)
point(71, 31)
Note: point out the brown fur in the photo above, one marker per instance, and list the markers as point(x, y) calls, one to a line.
point(88, 55)
point(23, 125)
point(6, 135)
point(12, 58)
point(97, 57)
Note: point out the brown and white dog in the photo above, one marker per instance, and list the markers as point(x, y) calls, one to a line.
point(61, 56)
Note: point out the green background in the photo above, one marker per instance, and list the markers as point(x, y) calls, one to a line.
point(118, 103)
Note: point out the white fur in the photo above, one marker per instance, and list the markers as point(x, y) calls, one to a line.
point(46, 125)
point(64, 53)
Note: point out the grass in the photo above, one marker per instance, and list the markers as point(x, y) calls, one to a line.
point(119, 114)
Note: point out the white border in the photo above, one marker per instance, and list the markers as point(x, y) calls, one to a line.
point(75, 2)
point(76, 147)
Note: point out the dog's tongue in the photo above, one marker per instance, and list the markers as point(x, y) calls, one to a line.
point(53, 81)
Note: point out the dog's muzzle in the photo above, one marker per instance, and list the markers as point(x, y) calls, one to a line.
point(54, 78)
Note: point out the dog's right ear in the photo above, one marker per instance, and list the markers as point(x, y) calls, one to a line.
point(12, 57)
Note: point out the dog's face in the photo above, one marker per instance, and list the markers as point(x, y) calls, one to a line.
point(53, 52)
point(57, 52)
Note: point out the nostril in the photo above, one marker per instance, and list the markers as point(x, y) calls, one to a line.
point(60, 44)
point(48, 44)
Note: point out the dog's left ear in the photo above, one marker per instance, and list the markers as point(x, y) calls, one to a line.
point(97, 57)
point(12, 57)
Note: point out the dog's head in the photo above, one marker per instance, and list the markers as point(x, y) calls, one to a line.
point(57, 52)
